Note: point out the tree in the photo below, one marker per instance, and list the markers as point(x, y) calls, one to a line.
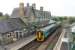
point(65, 17)
point(1, 14)
point(7, 15)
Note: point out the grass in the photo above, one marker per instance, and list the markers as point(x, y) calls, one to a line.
point(3, 17)
point(51, 46)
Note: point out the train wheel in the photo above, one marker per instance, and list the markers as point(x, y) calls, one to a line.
point(40, 36)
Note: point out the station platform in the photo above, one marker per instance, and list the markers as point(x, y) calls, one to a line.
point(20, 43)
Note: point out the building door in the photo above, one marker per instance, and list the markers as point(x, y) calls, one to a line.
point(20, 34)
point(17, 35)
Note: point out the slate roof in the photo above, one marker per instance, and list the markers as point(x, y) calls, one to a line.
point(11, 24)
point(15, 12)
point(29, 11)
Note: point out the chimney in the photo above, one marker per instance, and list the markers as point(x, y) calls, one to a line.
point(21, 9)
point(27, 4)
point(41, 8)
point(34, 6)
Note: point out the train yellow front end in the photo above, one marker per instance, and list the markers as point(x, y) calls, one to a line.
point(40, 36)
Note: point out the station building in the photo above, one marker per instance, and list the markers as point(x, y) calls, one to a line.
point(12, 29)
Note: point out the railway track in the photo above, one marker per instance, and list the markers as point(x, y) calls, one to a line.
point(34, 45)
point(31, 46)
point(55, 39)
point(51, 41)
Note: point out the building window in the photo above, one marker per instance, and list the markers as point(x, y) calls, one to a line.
point(8, 35)
point(17, 35)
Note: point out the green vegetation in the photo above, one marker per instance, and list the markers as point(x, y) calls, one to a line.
point(3, 17)
point(64, 18)
point(1, 14)
point(51, 46)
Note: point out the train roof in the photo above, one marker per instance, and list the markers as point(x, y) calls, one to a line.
point(47, 27)
point(52, 21)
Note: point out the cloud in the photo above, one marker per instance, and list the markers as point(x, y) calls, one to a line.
point(57, 7)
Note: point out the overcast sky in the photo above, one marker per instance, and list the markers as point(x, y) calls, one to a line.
point(57, 7)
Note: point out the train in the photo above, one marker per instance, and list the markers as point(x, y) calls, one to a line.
point(44, 32)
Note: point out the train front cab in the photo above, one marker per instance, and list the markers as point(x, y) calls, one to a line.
point(40, 36)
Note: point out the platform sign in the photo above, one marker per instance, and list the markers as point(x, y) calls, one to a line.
point(40, 36)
